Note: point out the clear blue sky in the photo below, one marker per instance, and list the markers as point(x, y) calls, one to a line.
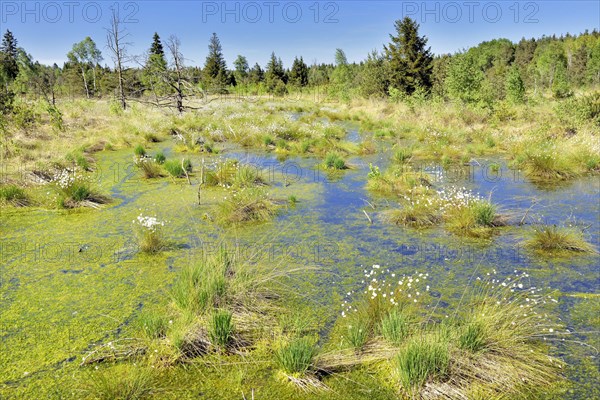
point(48, 30)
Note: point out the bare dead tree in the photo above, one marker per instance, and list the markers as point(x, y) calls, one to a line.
point(173, 44)
point(116, 44)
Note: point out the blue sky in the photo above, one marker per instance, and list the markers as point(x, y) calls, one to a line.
point(313, 29)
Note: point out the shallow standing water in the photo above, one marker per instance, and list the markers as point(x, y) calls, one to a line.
point(71, 279)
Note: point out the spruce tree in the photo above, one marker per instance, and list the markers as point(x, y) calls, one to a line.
point(8, 54)
point(275, 76)
point(157, 47)
point(299, 73)
point(156, 68)
point(215, 68)
point(410, 62)
point(256, 74)
point(156, 61)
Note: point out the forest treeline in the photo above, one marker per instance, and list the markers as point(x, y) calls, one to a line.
point(495, 70)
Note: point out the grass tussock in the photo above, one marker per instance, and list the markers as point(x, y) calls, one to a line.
point(178, 169)
point(233, 174)
point(296, 357)
point(154, 325)
point(557, 239)
point(422, 359)
point(149, 234)
point(493, 343)
point(247, 205)
point(461, 212)
point(396, 326)
point(150, 169)
point(123, 382)
point(334, 161)
point(14, 195)
point(220, 305)
point(76, 190)
point(398, 180)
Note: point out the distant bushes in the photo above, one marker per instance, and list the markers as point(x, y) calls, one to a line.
point(579, 111)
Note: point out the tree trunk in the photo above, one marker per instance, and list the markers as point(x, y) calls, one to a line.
point(115, 44)
point(94, 76)
point(85, 84)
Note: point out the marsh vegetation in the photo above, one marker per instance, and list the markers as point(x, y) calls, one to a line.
point(194, 242)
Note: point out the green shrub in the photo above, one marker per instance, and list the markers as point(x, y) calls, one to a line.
point(578, 111)
point(374, 172)
point(56, 118)
point(24, 116)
